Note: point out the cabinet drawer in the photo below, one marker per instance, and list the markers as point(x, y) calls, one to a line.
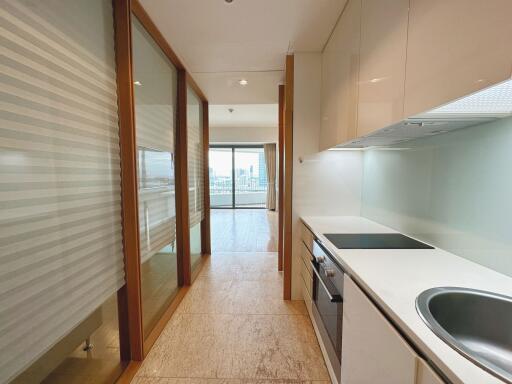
point(307, 296)
point(307, 237)
point(306, 258)
point(307, 278)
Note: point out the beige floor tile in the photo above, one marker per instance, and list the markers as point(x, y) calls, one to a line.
point(245, 267)
point(161, 380)
point(238, 297)
point(233, 327)
point(237, 346)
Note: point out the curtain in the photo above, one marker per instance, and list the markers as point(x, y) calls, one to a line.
point(60, 197)
point(270, 163)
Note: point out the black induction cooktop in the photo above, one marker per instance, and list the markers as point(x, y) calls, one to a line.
point(374, 241)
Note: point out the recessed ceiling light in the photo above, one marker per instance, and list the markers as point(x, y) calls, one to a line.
point(137, 82)
point(228, 1)
point(243, 82)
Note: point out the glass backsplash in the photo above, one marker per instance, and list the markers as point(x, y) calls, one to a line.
point(452, 190)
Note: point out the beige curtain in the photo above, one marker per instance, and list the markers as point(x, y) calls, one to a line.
point(270, 163)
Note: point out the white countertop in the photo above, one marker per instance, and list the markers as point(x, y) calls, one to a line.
point(394, 278)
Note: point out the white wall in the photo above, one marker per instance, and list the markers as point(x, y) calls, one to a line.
point(326, 183)
point(243, 135)
point(452, 190)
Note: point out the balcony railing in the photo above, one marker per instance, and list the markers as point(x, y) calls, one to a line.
point(248, 192)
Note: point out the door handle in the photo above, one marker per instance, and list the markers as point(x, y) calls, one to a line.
point(333, 297)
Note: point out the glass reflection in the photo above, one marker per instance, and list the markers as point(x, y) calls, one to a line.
point(195, 173)
point(155, 81)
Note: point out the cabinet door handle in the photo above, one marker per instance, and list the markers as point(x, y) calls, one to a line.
point(333, 297)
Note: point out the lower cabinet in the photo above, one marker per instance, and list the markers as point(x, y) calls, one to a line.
point(426, 375)
point(373, 351)
point(306, 275)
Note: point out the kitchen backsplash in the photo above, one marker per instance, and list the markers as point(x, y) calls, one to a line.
point(452, 190)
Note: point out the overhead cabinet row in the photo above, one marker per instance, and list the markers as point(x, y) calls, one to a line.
point(388, 60)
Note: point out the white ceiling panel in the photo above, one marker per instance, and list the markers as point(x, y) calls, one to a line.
point(224, 87)
point(244, 115)
point(213, 36)
point(218, 41)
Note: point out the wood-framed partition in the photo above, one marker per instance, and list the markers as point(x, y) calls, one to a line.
point(280, 188)
point(134, 346)
point(288, 178)
point(182, 211)
point(205, 224)
point(129, 301)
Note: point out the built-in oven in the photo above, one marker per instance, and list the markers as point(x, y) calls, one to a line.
point(328, 302)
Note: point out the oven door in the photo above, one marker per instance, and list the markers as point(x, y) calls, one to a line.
point(328, 303)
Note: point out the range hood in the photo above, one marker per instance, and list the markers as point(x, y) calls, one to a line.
point(483, 106)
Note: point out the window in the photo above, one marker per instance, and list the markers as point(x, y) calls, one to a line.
point(238, 176)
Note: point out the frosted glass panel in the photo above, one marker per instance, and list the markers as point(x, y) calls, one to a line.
point(60, 200)
point(452, 190)
point(195, 172)
point(195, 245)
point(195, 156)
point(155, 114)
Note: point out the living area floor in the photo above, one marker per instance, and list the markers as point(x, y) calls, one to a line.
point(233, 325)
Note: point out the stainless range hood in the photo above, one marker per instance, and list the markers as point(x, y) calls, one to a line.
point(483, 106)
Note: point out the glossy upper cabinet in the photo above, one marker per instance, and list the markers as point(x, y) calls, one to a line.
point(340, 67)
point(382, 61)
point(455, 47)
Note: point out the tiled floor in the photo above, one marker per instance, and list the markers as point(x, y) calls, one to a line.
point(233, 327)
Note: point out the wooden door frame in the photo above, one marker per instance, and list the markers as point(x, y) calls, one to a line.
point(280, 184)
point(182, 198)
point(133, 346)
point(206, 248)
point(129, 297)
point(288, 177)
point(205, 222)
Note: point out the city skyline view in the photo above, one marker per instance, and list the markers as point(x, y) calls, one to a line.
point(250, 176)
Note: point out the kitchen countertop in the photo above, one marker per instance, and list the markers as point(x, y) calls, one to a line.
point(393, 278)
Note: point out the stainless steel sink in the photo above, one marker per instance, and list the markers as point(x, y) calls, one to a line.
point(477, 324)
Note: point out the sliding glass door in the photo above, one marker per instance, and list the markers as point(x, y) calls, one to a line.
point(155, 80)
point(195, 174)
point(250, 177)
point(221, 177)
point(238, 176)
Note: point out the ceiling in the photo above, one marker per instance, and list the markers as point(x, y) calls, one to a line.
point(222, 43)
point(223, 87)
point(244, 115)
